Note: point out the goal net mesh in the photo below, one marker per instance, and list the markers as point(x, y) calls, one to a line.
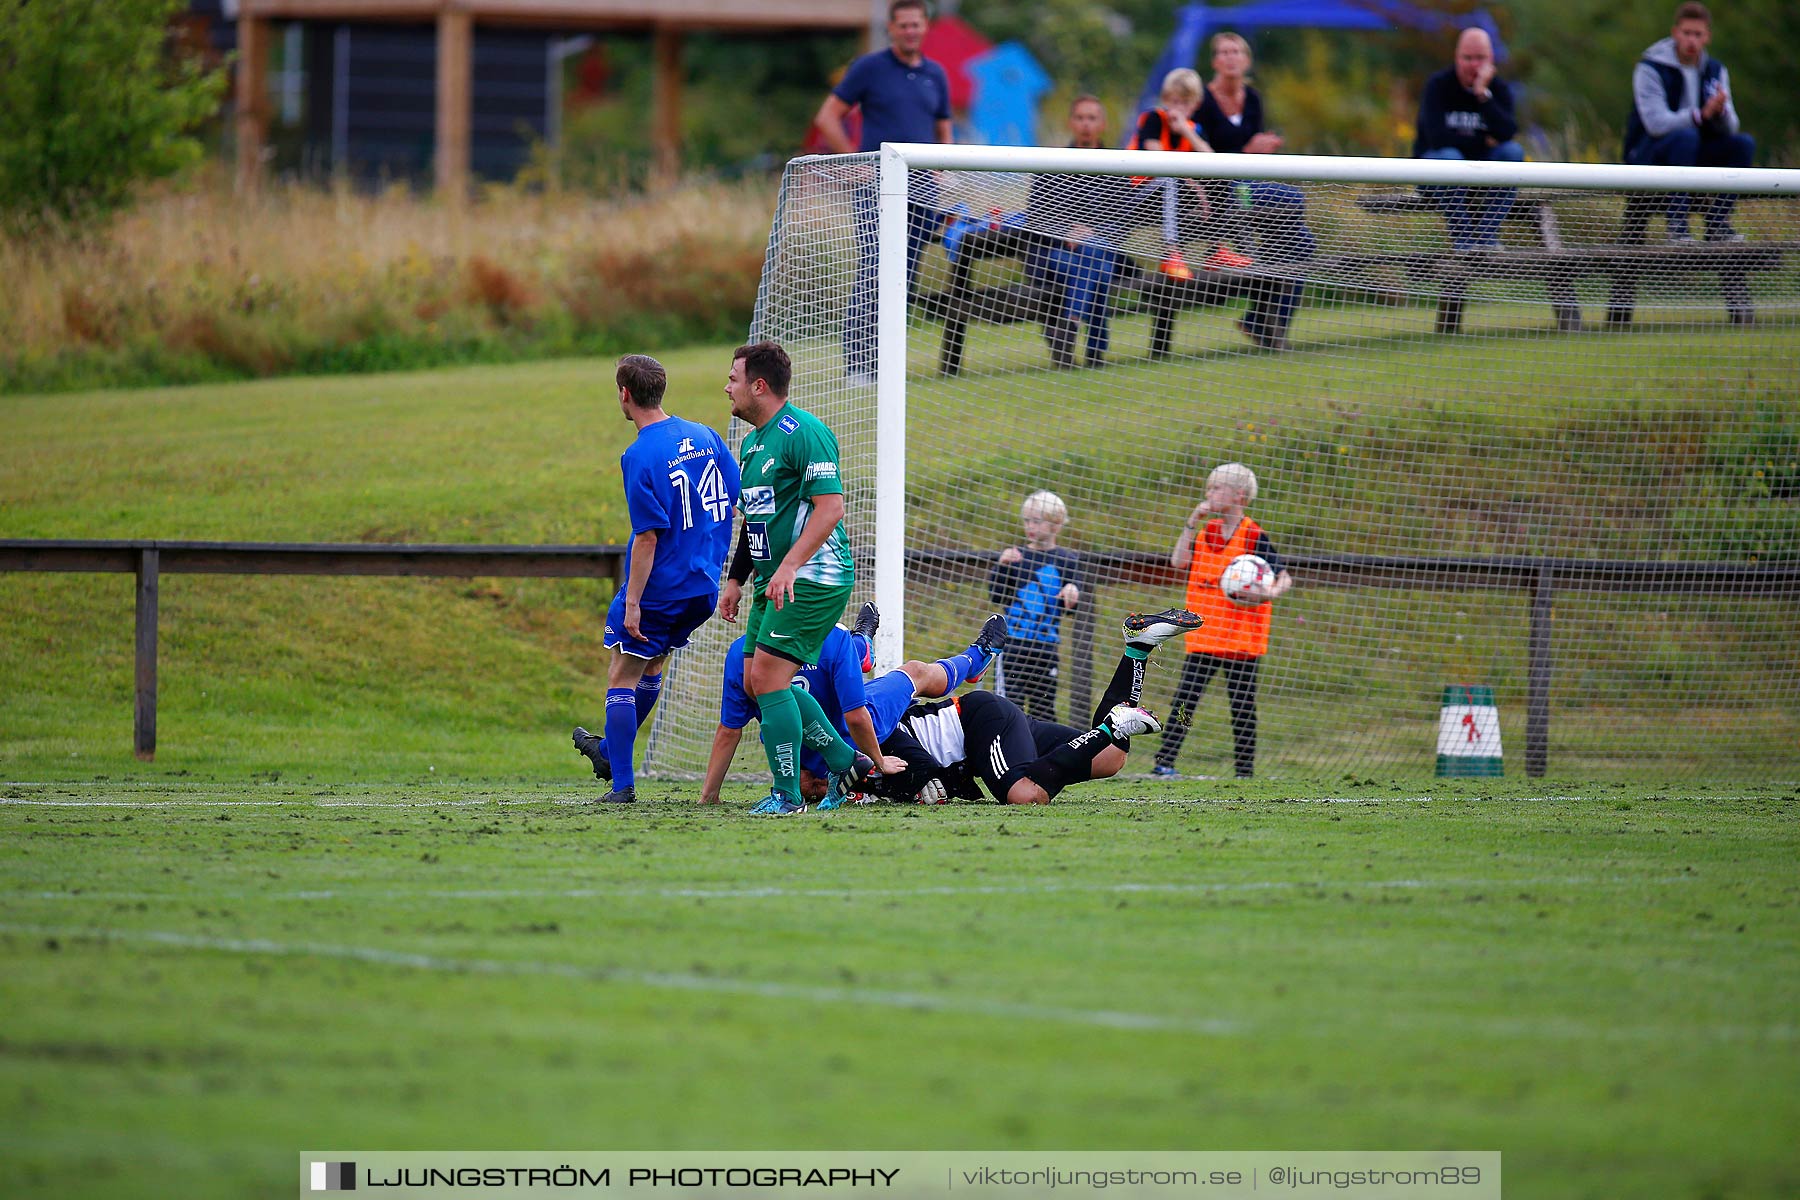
point(1526, 453)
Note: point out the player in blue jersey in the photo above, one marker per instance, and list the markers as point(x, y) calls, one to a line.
point(864, 713)
point(681, 488)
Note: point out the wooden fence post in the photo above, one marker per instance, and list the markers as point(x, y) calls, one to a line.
point(1081, 660)
point(665, 108)
point(455, 35)
point(1537, 703)
point(149, 571)
point(252, 100)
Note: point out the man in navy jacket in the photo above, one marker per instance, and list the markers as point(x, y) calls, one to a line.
point(1466, 113)
point(1682, 116)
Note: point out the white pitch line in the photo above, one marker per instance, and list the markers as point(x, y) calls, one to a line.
point(627, 892)
point(672, 980)
point(573, 801)
point(1200, 800)
point(1575, 1029)
point(427, 804)
point(195, 801)
point(1536, 1029)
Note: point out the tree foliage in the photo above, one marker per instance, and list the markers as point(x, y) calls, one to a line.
point(1085, 46)
point(94, 99)
point(747, 103)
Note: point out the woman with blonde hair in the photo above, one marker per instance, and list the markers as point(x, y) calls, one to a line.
point(1230, 118)
point(1230, 115)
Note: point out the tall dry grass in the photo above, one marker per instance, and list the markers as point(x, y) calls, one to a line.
point(196, 282)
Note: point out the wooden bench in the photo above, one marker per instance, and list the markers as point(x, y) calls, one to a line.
point(1732, 267)
point(1626, 261)
point(1557, 265)
point(961, 302)
point(1535, 209)
point(1161, 296)
point(1625, 265)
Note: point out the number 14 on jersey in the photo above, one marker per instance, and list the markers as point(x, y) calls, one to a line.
point(714, 496)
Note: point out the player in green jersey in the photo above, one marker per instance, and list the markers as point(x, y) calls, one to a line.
point(793, 542)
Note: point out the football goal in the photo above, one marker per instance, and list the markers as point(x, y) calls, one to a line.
point(1520, 441)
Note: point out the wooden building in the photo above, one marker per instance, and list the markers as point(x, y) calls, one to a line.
point(399, 84)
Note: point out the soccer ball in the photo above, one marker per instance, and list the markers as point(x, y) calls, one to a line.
point(1242, 573)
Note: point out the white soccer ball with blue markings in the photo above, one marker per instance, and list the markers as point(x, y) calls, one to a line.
point(1245, 579)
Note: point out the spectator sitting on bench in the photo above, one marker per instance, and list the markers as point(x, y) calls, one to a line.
point(1682, 116)
point(1231, 120)
point(1083, 217)
point(1466, 113)
point(1169, 126)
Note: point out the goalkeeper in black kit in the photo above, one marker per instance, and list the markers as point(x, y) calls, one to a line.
point(949, 745)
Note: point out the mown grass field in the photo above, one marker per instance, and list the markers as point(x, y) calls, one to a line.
point(390, 677)
point(1677, 442)
point(200, 979)
point(360, 898)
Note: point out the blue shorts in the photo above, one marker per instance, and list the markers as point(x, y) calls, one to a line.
point(666, 626)
point(888, 697)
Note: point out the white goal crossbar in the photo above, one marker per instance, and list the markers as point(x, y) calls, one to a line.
point(1331, 169)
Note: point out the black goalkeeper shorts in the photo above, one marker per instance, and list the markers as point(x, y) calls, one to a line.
point(999, 741)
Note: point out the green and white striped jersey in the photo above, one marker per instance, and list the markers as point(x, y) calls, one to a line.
point(784, 465)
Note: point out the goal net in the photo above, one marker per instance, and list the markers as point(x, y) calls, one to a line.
point(1525, 438)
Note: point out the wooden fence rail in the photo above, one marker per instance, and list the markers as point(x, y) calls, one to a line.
point(149, 560)
point(1542, 577)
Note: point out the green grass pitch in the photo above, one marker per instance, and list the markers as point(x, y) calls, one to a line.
point(199, 979)
point(360, 899)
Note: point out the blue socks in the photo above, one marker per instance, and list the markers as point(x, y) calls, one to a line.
point(965, 666)
point(627, 710)
point(648, 689)
point(960, 668)
point(621, 735)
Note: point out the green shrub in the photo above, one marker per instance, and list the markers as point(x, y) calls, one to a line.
point(94, 99)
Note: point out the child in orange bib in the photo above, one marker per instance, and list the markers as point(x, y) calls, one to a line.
point(1234, 638)
point(1170, 126)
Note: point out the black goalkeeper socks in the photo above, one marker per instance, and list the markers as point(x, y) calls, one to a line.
point(1071, 762)
point(1126, 687)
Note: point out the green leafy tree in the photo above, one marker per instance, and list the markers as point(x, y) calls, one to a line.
point(1086, 47)
point(606, 142)
point(94, 99)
